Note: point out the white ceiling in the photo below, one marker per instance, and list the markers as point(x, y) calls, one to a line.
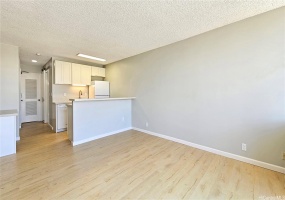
point(114, 30)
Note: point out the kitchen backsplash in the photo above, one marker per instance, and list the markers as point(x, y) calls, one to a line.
point(71, 92)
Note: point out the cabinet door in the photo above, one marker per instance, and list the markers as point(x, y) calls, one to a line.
point(85, 75)
point(95, 71)
point(76, 74)
point(66, 73)
point(102, 72)
point(58, 72)
point(61, 117)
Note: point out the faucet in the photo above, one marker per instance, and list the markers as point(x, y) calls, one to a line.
point(80, 93)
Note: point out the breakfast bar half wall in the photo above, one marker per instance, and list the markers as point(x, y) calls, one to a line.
point(90, 119)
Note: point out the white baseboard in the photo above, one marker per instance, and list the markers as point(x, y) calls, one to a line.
point(218, 152)
point(74, 143)
point(18, 138)
point(50, 126)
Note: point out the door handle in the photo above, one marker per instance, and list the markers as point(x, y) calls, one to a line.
point(39, 100)
point(21, 100)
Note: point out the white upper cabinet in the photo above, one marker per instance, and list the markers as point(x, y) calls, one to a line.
point(62, 72)
point(86, 75)
point(66, 70)
point(102, 72)
point(98, 71)
point(76, 77)
point(81, 74)
point(76, 74)
point(95, 71)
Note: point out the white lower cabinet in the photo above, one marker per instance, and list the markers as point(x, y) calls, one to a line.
point(61, 117)
point(7, 134)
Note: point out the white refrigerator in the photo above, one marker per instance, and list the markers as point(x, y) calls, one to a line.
point(99, 89)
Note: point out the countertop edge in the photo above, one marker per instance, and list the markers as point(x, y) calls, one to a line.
point(105, 99)
point(7, 113)
point(62, 102)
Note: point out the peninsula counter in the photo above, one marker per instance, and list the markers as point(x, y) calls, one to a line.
point(90, 119)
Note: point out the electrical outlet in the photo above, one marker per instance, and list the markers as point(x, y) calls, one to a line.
point(146, 124)
point(64, 94)
point(243, 146)
point(283, 155)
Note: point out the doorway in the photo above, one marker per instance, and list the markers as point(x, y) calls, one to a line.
point(31, 104)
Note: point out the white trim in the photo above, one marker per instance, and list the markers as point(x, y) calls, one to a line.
point(216, 151)
point(61, 130)
point(30, 118)
point(50, 126)
point(18, 138)
point(74, 143)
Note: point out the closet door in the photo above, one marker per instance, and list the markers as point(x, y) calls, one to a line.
point(30, 97)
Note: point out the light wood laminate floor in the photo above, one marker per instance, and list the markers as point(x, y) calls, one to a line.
point(129, 165)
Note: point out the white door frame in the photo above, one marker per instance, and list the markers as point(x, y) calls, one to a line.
point(42, 94)
point(45, 95)
point(39, 104)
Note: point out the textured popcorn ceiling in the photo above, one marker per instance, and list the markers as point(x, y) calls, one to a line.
point(114, 29)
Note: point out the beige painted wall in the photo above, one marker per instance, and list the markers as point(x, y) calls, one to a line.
point(219, 89)
point(9, 81)
point(71, 92)
point(31, 69)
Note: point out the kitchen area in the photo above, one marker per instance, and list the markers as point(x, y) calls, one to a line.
point(81, 104)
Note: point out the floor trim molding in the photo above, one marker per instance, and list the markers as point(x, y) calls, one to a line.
point(216, 151)
point(100, 136)
point(50, 126)
point(17, 138)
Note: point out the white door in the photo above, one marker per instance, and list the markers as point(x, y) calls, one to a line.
point(31, 97)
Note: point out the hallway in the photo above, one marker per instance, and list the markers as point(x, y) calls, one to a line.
point(37, 136)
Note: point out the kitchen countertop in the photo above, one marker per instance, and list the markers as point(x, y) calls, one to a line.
point(105, 99)
point(62, 102)
point(7, 113)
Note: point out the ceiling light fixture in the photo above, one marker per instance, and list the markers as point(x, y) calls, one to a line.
point(90, 57)
point(34, 61)
point(38, 54)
